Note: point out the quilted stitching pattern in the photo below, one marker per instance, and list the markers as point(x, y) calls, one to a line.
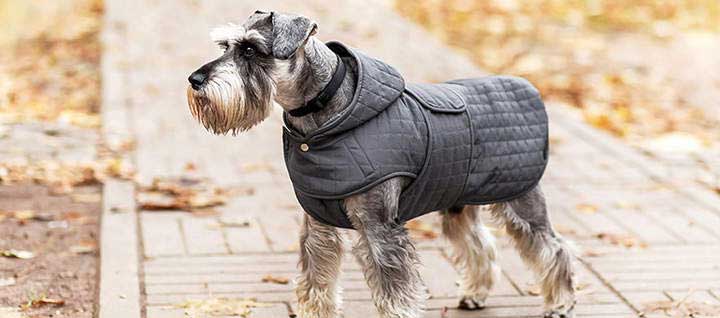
point(472, 141)
point(510, 138)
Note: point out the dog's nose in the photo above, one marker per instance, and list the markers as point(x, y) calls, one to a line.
point(196, 80)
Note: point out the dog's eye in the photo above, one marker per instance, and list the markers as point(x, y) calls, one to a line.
point(248, 51)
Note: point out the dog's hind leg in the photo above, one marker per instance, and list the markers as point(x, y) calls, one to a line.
point(474, 255)
point(321, 252)
point(551, 258)
point(385, 252)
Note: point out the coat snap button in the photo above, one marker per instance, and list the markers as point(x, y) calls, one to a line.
point(304, 147)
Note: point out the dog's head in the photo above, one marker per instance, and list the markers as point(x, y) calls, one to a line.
point(235, 92)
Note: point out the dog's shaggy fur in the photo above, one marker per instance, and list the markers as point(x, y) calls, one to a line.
point(275, 57)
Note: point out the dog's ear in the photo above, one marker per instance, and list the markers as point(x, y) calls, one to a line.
point(290, 32)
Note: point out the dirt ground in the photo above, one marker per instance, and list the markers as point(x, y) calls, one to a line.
point(49, 86)
point(61, 232)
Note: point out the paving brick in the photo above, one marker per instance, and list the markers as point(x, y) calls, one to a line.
point(173, 261)
point(282, 230)
point(175, 299)
point(246, 239)
point(161, 234)
point(640, 300)
point(356, 295)
point(215, 277)
point(176, 289)
point(203, 236)
point(688, 230)
point(165, 312)
point(644, 227)
point(249, 288)
point(439, 276)
point(610, 310)
point(699, 296)
point(265, 311)
point(666, 285)
point(274, 311)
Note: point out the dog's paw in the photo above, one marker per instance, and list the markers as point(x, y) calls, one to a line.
point(560, 313)
point(471, 303)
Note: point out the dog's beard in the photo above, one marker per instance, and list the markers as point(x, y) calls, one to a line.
point(226, 103)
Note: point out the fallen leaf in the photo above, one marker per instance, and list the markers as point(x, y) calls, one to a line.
point(205, 212)
point(12, 253)
point(219, 307)
point(582, 286)
point(206, 199)
point(420, 229)
point(234, 222)
point(7, 281)
point(257, 166)
point(586, 208)
point(627, 205)
point(43, 301)
point(71, 215)
point(533, 290)
point(293, 247)
point(183, 193)
point(676, 143)
point(119, 168)
point(57, 224)
point(269, 278)
point(289, 206)
point(565, 230)
point(24, 214)
point(592, 253)
point(621, 240)
point(682, 308)
point(84, 248)
point(86, 197)
point(152, 200)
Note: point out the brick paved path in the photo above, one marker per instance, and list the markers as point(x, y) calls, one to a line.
point(602, 194)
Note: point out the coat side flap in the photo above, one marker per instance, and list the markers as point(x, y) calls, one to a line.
point(443, 98)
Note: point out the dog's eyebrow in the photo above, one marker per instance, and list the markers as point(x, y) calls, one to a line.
point(236, 33)
point(227, 33)
point(258, 42)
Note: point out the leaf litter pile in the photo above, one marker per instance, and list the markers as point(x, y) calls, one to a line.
point(217, 307)
point(683, 308)
point(49, 167)
point(639, 69)
point(187, 193)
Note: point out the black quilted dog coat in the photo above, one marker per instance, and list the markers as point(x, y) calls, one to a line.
point(469, 141)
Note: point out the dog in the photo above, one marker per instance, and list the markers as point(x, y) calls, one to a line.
point(276, 58)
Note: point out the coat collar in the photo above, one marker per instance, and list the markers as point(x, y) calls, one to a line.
point(378, 86)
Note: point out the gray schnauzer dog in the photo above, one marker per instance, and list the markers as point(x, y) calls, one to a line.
point(367, 151)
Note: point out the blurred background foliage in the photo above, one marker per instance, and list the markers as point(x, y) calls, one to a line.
point(49, 55)
point(644, 70)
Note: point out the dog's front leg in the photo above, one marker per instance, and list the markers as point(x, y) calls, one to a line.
point(385, 252)
point(317, 289)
